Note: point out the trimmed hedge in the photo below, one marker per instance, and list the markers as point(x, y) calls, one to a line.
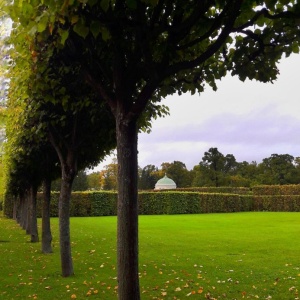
point(151, 203)
point(104, 203)
point(211, 189)
point(272, 190)
point(277, 203)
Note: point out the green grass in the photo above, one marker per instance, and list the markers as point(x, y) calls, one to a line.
point(210, 256)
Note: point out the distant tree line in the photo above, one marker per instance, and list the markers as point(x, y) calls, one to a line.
point(215, 169)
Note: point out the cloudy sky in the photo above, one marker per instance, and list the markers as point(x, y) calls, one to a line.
point(250, 120)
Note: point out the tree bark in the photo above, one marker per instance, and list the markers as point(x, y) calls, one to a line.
point(23, 210)
point(127, 236)
point(64, 220)
point(26, 213)
point(46, 228)
point(68, 163)
point(15, 209)
point(34, 237)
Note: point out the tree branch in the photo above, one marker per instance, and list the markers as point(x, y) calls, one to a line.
point(212, 49)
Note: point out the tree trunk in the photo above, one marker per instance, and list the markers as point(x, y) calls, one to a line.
point(27, 222)
point(68, 163)
point(127, 244)
point(46, 228)
point(23, 210)
point(15, 209)
point(33, 215)
point(64, 220)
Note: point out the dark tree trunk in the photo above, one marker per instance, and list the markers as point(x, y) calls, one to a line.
point(15, 209)
point(68, 163)
point(19, 210)
point(68, 174)
point(127, 245)
point(46, 228)
point(27, 222)
point(23, 210)
point(33, 215)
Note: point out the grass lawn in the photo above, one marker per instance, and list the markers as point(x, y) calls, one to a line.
point(209, 256)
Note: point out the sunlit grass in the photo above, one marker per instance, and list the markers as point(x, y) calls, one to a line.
point(212, 256)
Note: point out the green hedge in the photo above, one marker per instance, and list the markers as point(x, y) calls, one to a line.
point(277, 203)
point(272, 190)
point(211, 189)
point(167, 202)
point(151, 203)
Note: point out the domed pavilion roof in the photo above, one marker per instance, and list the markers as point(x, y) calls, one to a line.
point(165, 183)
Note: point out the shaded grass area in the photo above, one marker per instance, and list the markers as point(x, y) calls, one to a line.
point(211, 256)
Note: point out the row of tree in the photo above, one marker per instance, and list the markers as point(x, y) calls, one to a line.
point(215, 169)
point(85, 76)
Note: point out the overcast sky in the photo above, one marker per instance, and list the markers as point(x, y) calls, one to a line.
point(250, 120)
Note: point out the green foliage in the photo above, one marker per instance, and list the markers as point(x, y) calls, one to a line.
point(103, 203)
point(276, 203)
point(93, 181)
point(271, 190)
point(80, 182)
point(184, 201)
point(228, 190)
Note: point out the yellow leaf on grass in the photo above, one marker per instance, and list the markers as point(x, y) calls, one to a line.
point(73, 296)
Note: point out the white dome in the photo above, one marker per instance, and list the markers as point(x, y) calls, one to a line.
point(165, 183)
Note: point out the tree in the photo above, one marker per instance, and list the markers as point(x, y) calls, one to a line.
point(61, 110)
point(109, 176)
point(93, 181)
point(80, 182)
point(148, 177)
point(213, 161)
point(278, 169)
point(178, 172)
point(135, 52)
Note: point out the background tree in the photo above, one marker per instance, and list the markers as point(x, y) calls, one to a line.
point(212, 166)
point(93, 181)
point(148, 177)
point(178, 172)
point(278, 169)
point(80, 182)
point(109, 176)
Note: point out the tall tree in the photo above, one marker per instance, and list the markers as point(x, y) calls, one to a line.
point(134, 52)
point(214, 162)
point(80, 182)
point(93, 181)
point(178, 172)
point(277, 169)
point(148, 177)
point(109, 176)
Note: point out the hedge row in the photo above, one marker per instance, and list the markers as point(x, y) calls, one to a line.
point(153, 203)
point(105, 203)
point(211, 189)
point(272, 190)
point(191, 203)
point(277, 203)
